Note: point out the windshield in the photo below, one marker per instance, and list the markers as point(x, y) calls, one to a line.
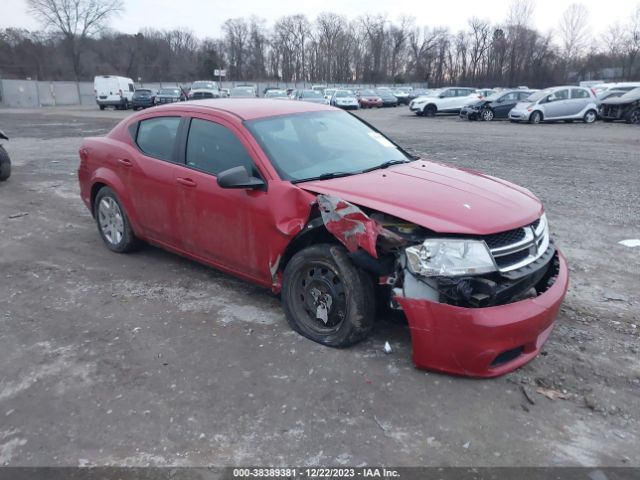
point(343, 93)
point(242, 91)
point(538, 95)
point(306, 145)
point(369, 93)
point(169, 91)
point(311, 94)
point(494, 96)
point(204, 85)
point(276, 93)
point(143, 91)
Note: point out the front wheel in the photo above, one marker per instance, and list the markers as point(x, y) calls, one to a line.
point(487, 115)
point(430, 111)
point(590, 117)
point(326, 298)
point(634, 117)
point(5, 164)
point(113, 223)
point(535, 118)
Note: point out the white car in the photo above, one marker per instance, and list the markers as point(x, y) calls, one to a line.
point(328, 93)
point(344, 99)
point(443, 100)
point(557, 103)
point(112, 90)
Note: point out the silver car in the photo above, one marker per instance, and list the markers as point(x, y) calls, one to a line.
point(557, 103)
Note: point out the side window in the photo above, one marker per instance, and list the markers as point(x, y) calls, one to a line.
point(213, 148)
point(561, 95)
point(157, 136)
point(131, 87)
point(510, 97)
point(579, 93)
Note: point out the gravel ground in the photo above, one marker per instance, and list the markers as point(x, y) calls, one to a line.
point(151, 359)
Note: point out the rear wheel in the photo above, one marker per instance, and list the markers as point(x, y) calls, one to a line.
point(634, 117)
point(113, 223)
point(536, 117)
point(326, 298)
point(590, 117)
point(5, 164)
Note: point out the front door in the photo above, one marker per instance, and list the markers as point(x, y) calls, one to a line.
point(557, 106)
point(225, 226)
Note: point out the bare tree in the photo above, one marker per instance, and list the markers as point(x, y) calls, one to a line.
point(76, 20)
point(574, 31)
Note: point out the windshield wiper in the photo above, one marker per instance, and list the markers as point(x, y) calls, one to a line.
point(386, 164)
point(325, 176)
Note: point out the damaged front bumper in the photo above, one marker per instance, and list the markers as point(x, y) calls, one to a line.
point(483, 342)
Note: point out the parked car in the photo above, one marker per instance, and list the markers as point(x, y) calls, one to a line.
point(369, 99)
point(170, 95)
point(113, 91)
point(203, 89)
point(5, 161)
point(625, 107)
point(272, 93)
point(557, 103)
point(624, 86)
point(326, 211)
point(402, 94)
point(328, 93)
point(242, 92)
point(344, 99)
point(444, 100)
point(142, 98)
point(419, 92)
point(497, 105)
point(388, 98)
point(312, 96)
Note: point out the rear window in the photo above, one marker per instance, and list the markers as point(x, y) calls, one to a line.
point(157, 136)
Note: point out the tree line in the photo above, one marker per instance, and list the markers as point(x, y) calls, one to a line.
point(74, 44)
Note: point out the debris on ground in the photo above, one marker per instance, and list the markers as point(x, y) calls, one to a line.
point(615, 297)
point(631, 242)
point(528, 395)
point(466, 445)
point(18, 215)
point(387, 348)
point(552, 394)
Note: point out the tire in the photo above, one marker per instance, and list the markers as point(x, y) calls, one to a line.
point(101, 107)
point(430, 111)
point(487, 115)
point(113, 223)
point(590, 117)
point(5, 164)
point(126, 105)
point(634, 117)
point(323, 274)
point(535, 117)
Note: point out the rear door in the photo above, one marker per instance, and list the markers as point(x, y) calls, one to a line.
point(152, 185)
point(580, 98)
point(224, 226)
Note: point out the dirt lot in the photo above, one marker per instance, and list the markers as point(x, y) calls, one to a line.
point(151, 359)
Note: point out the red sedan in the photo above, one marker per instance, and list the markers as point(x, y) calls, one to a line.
point(311, 202)
point(369, 99)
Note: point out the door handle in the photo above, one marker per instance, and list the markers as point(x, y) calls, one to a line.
point(125, 161)
point(187, 182)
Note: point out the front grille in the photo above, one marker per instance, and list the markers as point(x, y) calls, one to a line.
point(505, 238)
point(517, 248)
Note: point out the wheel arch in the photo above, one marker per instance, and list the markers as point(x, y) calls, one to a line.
point(105, 178)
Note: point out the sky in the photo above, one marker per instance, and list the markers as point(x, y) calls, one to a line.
point(205, 17)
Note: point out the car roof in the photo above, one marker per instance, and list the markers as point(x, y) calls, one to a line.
point(253, 108)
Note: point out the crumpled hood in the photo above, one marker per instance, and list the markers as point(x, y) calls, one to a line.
point(621, 100)
point(438, 197)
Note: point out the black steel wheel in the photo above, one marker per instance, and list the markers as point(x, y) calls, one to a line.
point(326, 298)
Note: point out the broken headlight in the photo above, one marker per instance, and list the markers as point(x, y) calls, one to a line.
point(449, 257)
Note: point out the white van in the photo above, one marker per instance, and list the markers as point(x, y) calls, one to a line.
point(112, 90)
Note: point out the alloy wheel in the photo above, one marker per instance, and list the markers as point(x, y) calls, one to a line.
point(111, 220)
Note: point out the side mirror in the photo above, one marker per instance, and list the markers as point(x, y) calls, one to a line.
point(238, 177)
point(442, 95)
point(551, 98)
